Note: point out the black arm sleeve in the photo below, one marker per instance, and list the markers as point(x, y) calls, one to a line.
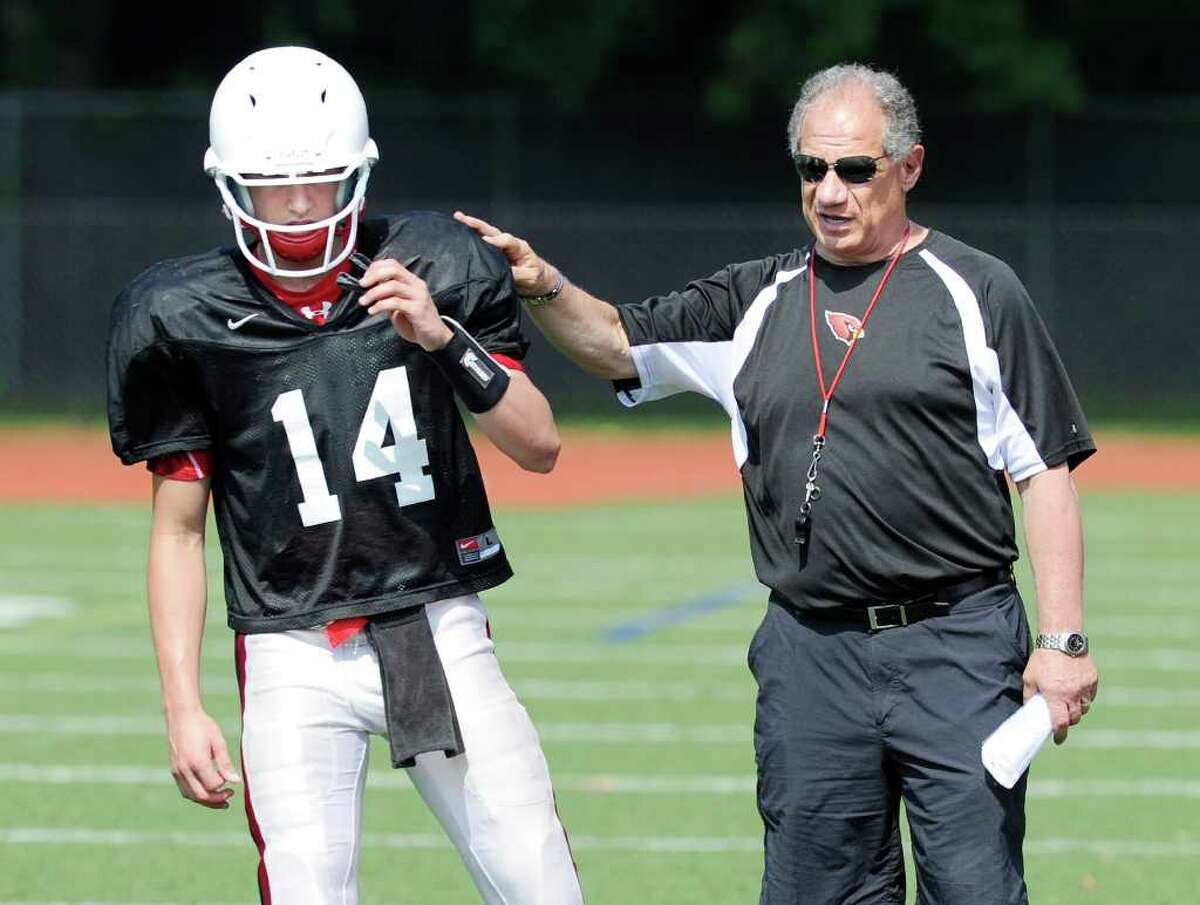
point(704, 311)
point(1034, 380)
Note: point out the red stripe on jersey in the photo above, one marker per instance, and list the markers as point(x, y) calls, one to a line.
point(566, 838)
point(185, 466)
point(264, 883)
point(512, 364)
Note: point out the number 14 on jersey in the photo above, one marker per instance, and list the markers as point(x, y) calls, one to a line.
point(390, 403)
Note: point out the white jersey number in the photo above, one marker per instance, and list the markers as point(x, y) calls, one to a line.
point(390, 403)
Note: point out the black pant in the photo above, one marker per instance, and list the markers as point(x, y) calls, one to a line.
point(850, 722)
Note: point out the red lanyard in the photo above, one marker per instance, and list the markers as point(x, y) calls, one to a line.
point(812, 492)
point(827, 394)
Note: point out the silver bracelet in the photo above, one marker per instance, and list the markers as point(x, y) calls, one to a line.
point(536, 301)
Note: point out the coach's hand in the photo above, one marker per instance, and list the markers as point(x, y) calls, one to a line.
point(405, 298)
point(199, 759)
point(531, 274)
point(1067, 683)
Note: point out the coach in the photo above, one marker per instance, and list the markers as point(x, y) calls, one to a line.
point(879, 383)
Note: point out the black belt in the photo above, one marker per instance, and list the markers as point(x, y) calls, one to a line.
point(937, 602)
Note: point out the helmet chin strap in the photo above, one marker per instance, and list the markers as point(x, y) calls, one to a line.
point(304, 246)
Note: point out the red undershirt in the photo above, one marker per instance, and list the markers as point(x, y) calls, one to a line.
point(314, 303)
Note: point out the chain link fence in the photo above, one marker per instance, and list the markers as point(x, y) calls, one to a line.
point(1098, 213)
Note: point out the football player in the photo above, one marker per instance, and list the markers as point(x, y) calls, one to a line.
point(307, 378)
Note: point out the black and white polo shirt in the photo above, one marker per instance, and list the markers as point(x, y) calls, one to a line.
point(955, 382)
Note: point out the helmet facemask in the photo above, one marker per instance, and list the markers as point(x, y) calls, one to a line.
point(264, 243)
point(290, 116)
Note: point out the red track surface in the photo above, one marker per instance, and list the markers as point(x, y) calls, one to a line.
point(76, 466)
point(72, 465)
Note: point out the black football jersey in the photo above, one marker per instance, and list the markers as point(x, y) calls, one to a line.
point(343, 480)
point(954, 383)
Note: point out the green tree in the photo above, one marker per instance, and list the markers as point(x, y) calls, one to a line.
point(992, 53)
point(728, 59)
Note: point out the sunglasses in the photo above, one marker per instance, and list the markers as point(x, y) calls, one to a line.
point(853, 170)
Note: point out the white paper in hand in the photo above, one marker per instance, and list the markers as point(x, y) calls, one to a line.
point(1008, 751)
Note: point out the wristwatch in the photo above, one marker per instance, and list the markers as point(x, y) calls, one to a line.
point(1073, 644)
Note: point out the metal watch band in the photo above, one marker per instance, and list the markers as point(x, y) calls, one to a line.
point(1073, 644)
point(536, 301)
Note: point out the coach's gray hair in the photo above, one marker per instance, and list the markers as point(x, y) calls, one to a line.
point(901, 128)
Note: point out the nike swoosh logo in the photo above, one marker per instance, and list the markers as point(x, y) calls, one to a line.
point(233, 325)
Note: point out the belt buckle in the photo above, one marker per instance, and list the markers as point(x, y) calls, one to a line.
point(873, 616)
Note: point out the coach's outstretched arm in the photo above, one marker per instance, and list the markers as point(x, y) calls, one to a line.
point(178, 593)
point(585, 328)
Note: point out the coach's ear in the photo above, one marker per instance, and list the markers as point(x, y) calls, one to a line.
point(911, 166)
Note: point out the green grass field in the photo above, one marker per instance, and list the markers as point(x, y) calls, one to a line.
point(649, 741)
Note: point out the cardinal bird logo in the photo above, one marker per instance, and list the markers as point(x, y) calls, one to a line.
point(845, 327)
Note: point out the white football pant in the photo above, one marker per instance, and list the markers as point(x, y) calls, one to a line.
point(307, 713)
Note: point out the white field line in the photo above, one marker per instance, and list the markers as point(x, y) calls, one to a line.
point(601, 783)
point(530, 689)
point(134, 646)
point(87, 725)
point(543, 689)
point(1144, 740)
point(81, 836)
point(612, 733)
point(1115, 848)
point(1118, 696)
point(733, 656)
point(658, 844)
point(1099, 627)
point(18, 611)
point(140, 648)
point(130, 589)
point(1133, 627)
point(650, 733)
point(586, 690)
point(55, 574)
point(1152, 659)
point(1114, 788)
point(73, 683)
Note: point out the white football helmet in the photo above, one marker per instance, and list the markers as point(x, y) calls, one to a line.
point(290, 116)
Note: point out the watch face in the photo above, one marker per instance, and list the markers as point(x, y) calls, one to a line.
point(1076, 644)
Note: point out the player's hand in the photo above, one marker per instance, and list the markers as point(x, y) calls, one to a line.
point(200, 761)
point(531, 275)
point(1067, 683)
point(405, 298)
